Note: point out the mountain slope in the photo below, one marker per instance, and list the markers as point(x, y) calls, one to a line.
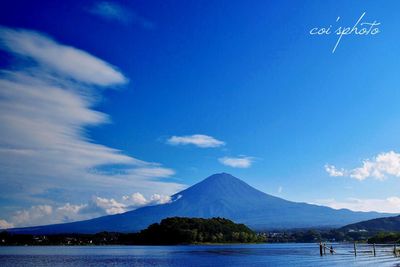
point(387, 224)
point(220, 195)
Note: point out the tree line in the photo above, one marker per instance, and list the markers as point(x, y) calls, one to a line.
point(170, 231)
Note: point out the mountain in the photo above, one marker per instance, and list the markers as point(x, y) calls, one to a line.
point(220, 195)
point(386, 224)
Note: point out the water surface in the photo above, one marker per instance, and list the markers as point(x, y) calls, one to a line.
point(195, 255)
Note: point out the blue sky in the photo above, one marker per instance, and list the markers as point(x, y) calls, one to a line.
point(111, 105)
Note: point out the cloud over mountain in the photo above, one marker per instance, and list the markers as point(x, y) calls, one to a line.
point(237, 162)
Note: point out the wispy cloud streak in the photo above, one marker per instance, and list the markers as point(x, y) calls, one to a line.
point(115, 12)
point(46, 105)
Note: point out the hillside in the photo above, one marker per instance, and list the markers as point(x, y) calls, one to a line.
point(386, 224)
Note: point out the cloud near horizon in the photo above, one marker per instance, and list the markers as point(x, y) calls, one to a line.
point(4, 224)
point(237, 162)
point(383, 165)
point(199, 140)
point(46, 105)
point(96, 207)
point(387, 205)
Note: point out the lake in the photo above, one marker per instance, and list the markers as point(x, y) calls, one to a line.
point(196, 255)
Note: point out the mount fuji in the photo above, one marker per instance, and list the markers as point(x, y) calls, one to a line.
point(220, 195)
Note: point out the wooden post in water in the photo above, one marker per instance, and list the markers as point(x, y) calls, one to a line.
point(355, 249)
point(373, 245)
point(324, 248)
point(320, 248)
point(395, 249)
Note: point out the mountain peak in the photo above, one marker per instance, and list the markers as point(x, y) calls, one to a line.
point(221, 180)
point(221, 176)
point(221, 186)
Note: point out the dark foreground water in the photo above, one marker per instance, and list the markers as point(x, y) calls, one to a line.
point(215, 255)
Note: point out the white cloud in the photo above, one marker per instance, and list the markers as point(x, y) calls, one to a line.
point(68, 208)
point(199, 140)
point(115, 12)
point(237, 162)
point(138, 200)
point(389, 205)
point(45, 108)
point(383, 165)
point(110, 206)
point(96, 207)
point(5, 225)
point(332, 171)
point(47, 214)
point(32, 216)
point(160, 199)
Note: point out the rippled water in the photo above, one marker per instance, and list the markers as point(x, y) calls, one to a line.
point(215, 255)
